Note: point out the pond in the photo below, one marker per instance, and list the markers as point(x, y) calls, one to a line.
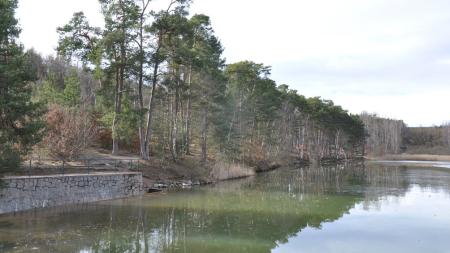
point(345, 208)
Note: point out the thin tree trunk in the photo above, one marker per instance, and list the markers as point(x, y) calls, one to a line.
point(204, 134)
point(175, 120)
point(120, 78)
point(188, 114)
point(142, 148)
point(148, 132)
point(140, 95)
point(117, 110)
point(336, 144)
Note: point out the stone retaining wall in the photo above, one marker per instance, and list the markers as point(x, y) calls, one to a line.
point(24, 193)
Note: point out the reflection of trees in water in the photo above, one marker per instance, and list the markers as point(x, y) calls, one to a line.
point(385, 182)
point(209, 219)
point(250, 215)
point(350, 178)
point(236, 222)
point(374, 181)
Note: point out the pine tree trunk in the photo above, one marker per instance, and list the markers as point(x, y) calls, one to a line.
point(187, 126)
point(140, 93)
point(117, 110)
point(204, 134)
point(148, 132)
point(174, 148)
point(141, 129)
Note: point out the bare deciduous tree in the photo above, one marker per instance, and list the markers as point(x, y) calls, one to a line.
point(384, 135)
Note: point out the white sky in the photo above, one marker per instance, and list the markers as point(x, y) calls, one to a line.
point(391, 57)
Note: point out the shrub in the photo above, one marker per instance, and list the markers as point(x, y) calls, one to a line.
point(69, 133)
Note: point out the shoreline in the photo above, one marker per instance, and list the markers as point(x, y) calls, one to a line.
point(413, 160)
point(159, 185)
point(411, 157)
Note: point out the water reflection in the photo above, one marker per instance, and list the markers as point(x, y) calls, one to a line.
point(281, 211)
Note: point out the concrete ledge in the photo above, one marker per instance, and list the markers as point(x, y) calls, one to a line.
point(30, 192)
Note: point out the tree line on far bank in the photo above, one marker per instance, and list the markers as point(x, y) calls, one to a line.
point(388, 136)
point(154, 82)
point(433, 140)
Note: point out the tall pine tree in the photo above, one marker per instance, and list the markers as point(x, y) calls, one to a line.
point(20, 123)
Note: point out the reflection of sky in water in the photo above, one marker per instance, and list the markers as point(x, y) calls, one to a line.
point(419, 221)
point(442, 165)
point(438, 164)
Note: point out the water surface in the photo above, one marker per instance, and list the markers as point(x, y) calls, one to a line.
point(342, 208)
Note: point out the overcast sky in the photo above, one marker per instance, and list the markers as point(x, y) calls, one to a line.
point(391, 57)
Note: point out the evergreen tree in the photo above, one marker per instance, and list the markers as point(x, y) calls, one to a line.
point(71, 93)
point(19, 117)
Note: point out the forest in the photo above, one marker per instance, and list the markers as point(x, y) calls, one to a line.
point(428, 140)
point(155, 83)
point(389, 136)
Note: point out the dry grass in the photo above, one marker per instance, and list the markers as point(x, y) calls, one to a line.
point(413, 157)
point(225, 170)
